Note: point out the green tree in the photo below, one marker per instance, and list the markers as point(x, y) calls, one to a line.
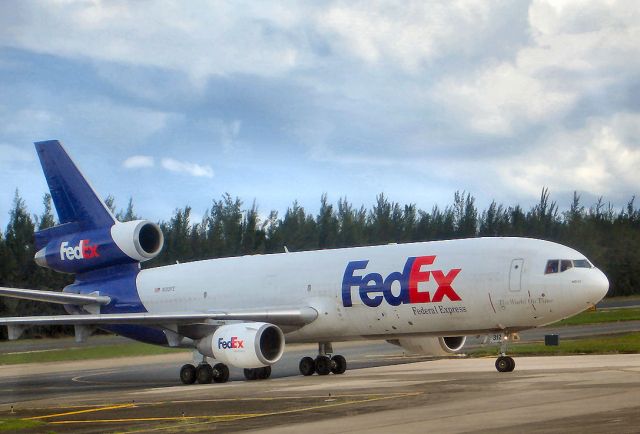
point(351, 225)
point(127, 215)
point(327, 224)
point(465, 215)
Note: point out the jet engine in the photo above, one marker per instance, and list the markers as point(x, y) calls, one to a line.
point(66, 249)
point(433, 346)
point(244, 345)
point(141, 240)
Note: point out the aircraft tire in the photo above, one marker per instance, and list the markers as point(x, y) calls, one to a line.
point(512, 364)
point(188, 374)
point(338, 364)
point(503, 364)
point(264, 373)
point(204, 373)
point(251, 374)
point(307, 366)
point(220, 373)
point(323, 365)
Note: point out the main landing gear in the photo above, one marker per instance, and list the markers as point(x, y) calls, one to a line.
point(257, 373)
point(505, 363)
point(324, 363)
point(204, 373)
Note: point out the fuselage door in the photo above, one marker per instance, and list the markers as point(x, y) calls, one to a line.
point(515, 275)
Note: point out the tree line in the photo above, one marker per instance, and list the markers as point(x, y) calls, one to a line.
point(609, 237)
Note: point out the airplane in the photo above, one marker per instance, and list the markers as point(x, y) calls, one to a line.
point(241, 311)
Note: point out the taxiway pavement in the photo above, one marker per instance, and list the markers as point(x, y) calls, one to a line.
point(381, 393)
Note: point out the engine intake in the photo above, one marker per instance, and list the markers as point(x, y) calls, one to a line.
point(244, 345)
point(140, 239)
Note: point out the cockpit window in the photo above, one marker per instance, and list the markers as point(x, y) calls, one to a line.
point(560, 265)
point(582, 263)
point(565, 264)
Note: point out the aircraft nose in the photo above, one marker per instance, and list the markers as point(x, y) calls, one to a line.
point(598, 286)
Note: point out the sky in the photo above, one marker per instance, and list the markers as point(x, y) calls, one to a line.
point(174, 103)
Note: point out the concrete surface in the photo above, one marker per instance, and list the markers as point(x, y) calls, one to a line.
point(544, 394)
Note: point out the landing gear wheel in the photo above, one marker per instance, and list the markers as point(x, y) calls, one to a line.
point(505, 364)
point(220, 373)
point(188, 374)
point(264, 373)
point(251, 374)
point(307, 366)
point(512, 364)
point(204, 373)
point(338, 364)
point(323, 365)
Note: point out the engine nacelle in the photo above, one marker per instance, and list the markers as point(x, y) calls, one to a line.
point(71, 251)
point(140, 240)
point(244, 345)
point(432, 346)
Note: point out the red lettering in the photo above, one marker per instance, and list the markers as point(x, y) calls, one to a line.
point(89, 251)
point(416, 276)
point(444, 285)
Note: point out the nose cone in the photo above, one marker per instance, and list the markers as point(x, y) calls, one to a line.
point(598, 286)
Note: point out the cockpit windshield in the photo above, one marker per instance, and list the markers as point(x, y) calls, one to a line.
point(560, 265)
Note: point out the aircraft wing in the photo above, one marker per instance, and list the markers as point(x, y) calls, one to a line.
point(54, 296)
point(197, 324)
point(292, 317)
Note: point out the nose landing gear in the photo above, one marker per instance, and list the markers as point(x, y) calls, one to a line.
point(505, 363)
point(325, 363)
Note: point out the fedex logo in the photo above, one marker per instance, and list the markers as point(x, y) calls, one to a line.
point(231, 344)
point(373, 288)
point(83, 250)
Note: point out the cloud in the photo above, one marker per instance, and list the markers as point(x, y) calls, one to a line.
point(602, 158)
point(192, 169)
point(576, 49)
point(382, 33)
point(145, 161)
point(138, 161)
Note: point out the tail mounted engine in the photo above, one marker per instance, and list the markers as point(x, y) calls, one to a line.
point(72, 251)
point(244, 345)
point(432, 346)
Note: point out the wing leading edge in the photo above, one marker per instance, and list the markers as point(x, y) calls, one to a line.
point(54, 297)
point(290, 317)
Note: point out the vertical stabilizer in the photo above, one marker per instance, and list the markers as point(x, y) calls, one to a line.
point(74, 198)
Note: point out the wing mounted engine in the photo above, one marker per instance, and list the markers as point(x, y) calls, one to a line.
point(244, 345)
point(432, 346)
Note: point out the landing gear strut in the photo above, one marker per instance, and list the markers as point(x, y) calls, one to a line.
point(505, 363)
point(204, 373)
point(325, 363)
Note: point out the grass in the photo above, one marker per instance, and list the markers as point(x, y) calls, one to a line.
point(617, 344)
point(601, 316)
point(13, 425)
point(88, 353)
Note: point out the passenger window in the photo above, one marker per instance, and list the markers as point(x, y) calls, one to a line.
point(552, 266)
point(565, 264)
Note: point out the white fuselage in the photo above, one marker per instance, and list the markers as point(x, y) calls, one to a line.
point(501, 285)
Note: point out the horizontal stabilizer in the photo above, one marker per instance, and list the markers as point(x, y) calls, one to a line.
point(54, 297)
